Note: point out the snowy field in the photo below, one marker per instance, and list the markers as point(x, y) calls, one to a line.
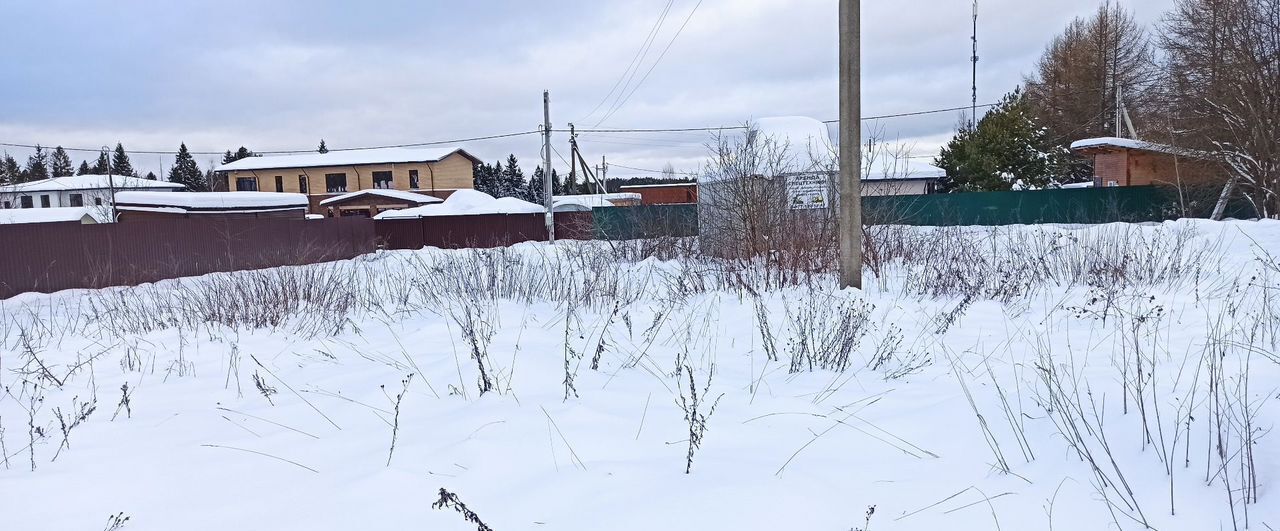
point(1017, 378)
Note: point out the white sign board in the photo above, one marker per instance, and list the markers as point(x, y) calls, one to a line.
point(808, 191)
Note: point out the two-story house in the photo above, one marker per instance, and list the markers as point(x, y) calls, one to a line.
point(321, 176)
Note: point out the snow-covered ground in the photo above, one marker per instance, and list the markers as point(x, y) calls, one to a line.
point(1016, 378)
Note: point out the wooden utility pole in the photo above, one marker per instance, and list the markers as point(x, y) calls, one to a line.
point(850, 217)
point(546, 166)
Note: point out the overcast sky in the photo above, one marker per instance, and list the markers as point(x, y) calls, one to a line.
point(282, 74)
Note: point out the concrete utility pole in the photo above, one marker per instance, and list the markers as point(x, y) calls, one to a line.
point(850, 218)
point(111, 184)
point(604, 174)
point(546, 166)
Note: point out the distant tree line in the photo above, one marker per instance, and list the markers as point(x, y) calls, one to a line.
point(500, 179)
point(507, 180)
point(45, 164)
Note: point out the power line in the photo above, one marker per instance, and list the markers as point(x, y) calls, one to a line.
point(918, 113)
point(290, 151)
point(636, 60)
point(654, 65)
point(415, 144)
point(99, 150)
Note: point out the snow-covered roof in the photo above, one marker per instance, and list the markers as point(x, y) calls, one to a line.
point(464, 203)
point(570, 207)
point(210, 201)
point(904, 170)
point(595, 200)
point(345, 158)
point(1130, 143)
point(90, 182)
point(11, 216)
point(1086, 184)
point(668, 185)
point(399, 195)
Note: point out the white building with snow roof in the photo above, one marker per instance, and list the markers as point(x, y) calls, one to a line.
point(76, 191)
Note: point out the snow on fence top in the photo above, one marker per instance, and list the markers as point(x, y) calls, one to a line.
point(210, 201)
point(345, 158)
point(400, 195)
point(466, 203)
point(595, 200)
point(90, 182)
point(12, 216)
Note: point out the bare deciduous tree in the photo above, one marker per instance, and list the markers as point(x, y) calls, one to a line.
point(1223, 72)
point(1074, 86)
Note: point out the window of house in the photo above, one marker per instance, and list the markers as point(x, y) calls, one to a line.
point(413, 179)
point(97, 201)
point(279, 183)
point(77, 200)
point(382, 179)
point(335, 182)
point(7, 205)
point(25, 202)
point(302, 184)
point(246, 184)
point(44, 201)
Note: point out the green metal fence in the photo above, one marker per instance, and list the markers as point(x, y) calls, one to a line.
point(650, 221)
point(1084, 205)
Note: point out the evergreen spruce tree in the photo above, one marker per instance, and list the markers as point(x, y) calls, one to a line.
point(242, 153)
point(487, 178)
point(151, 176)
point(120, 164)
point(323, 148)
point(84, 168)
point(557, 187)
point(534, 192)
point(10, 172)
point(570, 185)
point(37, 166)
point(186, 172)
point(1007, 147)
point(60, 164)
point(102, 166)
point(512, 179)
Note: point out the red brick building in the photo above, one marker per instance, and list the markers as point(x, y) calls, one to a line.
point(664, 194)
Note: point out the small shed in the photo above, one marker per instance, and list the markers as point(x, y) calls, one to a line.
point(369, 203)
point(1131, 162)
point(134, 206)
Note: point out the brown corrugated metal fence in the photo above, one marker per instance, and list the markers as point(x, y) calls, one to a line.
point(485, 230)
point(57, 256)
point(51, 257)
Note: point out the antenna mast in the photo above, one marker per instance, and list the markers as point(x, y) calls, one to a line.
point(973, 109)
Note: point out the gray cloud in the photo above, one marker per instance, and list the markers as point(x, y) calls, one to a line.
point(283, 74)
